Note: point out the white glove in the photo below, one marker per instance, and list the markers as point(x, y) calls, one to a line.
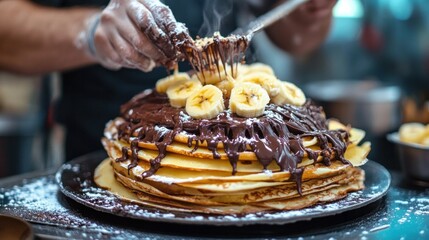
point(133, 33)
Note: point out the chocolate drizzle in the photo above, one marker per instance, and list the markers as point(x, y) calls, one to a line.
point(210, 54)
point(274, 137)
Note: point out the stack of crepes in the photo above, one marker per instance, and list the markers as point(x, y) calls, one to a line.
point(222, 143)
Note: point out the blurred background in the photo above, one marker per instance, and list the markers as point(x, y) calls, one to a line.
point(372, 72)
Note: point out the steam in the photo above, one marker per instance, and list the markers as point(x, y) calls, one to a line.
point(214, 12)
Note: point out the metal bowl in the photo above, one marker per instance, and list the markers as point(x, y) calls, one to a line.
point(414, 159)
point(370, 105)
point(15, 228)
point(367, 104)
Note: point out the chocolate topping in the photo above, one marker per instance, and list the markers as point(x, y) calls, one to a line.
point(210, 53)
point(275, 136)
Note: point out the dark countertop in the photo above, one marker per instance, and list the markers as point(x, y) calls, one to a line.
point(402, 214)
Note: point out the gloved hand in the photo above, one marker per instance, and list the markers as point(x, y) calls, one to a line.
point(133, 33)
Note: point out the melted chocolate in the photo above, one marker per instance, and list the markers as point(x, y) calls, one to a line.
point(219, 50)
point(274, 137)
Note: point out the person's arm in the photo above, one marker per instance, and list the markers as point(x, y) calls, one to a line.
point(127, 33)
point(304, 29)
point(37, 40)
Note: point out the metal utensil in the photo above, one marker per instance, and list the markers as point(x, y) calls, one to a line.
point(270, 17)
point(206, 53)
point(261, 22)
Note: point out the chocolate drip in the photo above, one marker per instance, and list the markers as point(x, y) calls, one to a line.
point(273, 137)
point(218, 51)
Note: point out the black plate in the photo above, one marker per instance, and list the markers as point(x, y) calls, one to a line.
point(75, 180)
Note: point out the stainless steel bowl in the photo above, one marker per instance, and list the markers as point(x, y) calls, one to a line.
point(367, 104)
point(414, 159)
point(370, 105)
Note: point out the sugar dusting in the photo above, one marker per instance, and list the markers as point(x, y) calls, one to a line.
point(170, 180)
point(36, 201)
point(408, 214)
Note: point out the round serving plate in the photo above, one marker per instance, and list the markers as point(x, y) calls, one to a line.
point(75, 180)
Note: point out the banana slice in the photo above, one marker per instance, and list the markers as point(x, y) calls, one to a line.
point(206, 103)
point(289, 94)
point(248, 99)
point(267, 81)
point(180, 91)
point(259, 67)
point(163, 84)
point(412, 132)
point(226, 86)
point(212, 76)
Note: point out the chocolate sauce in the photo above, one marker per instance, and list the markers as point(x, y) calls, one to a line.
point(219, 51)
point(275, 136)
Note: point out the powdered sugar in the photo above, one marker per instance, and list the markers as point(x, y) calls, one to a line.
point(379, 228)
point(169, 180)
point(422, 200)
point(32, 195)
point(162, 130)
point(401, 202)
point(38, 198)
point(272, 114)
point(416, 206)
point(37, 201)
point(184, 117)
point(268, 172)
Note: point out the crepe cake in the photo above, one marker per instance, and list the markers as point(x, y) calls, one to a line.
point(240, 144)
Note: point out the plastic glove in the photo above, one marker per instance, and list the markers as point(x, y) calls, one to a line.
point(133, 33)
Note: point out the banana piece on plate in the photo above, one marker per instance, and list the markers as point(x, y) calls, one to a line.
point(248, 99)
point(163, 84)
point(412, 132)
point(289, 94)
point(178, 92)
point(205, 103)
point(269, 82)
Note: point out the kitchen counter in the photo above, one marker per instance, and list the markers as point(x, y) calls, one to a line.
point(402, 214)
